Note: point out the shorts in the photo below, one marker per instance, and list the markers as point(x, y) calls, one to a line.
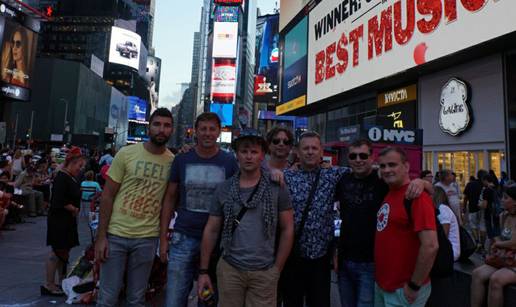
point(477, 220)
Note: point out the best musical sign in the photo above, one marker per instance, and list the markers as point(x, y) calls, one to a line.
point(355, 42)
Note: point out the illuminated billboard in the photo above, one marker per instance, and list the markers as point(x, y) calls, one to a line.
point(226, 14)
point(125, 48)
point(225, 39)
point(137, 132)
point(18, 57)
point(137, 110)
point(234, 2)
point(223, 80)
point(266, 79)
point(224, 111)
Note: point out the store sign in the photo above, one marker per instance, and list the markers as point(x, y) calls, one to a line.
point(352, 43)
point(349, 133)
point(398, 116)
point(225, 39)
point(455, 114)
point(397, 96)
point(395, 136)
point(15, 92)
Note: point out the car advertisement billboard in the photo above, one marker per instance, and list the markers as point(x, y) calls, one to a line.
point(19, 46)
point(224, 111)
point(350, 45)
point(225, 39)
point(124, 48)
point(266, 79)
point(294, 61)
point(226, 14)
point(137, 109)
point(223, 80)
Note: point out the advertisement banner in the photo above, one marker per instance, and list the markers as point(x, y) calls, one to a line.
point(266, 79)
point(18, 57)
point(294, 61)
point(137, 132)
point(224, 111)
point(226, 14)
point(234, 2)
point(137, 109)
point(153, 77)
point(223, 80)
point(354, 43)
point(289, 9)
point(124, 48)
point(225, 39)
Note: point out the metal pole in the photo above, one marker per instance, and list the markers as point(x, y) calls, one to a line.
point(31, 122)
point(66, 114)
point(15, 130)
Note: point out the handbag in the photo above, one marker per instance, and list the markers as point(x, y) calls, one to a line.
point(501, 258)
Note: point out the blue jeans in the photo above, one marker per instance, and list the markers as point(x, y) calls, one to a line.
point(356, 284)
point(183, 264)
point(134, 256)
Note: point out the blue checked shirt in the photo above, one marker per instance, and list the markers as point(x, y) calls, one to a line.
point(318, 231)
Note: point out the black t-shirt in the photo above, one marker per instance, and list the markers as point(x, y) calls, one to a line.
point(488, 195)
point(360, 200)
point(472, 191)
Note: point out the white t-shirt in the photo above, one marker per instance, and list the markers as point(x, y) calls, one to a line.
point(446, 216)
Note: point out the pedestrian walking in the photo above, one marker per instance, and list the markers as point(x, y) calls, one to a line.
point(62, 233)
point(472, 196)
point(127, 236)
point(360, 194)
point(312, 188)
point(194, 178)
point(405, 246)
point(253, 213)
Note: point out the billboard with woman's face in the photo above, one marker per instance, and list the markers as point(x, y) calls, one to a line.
point(18, 54)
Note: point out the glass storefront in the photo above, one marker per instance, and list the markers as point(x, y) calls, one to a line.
point(464, 163)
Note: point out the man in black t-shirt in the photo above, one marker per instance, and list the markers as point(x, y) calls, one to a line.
point(360, 195)
point(472, 193)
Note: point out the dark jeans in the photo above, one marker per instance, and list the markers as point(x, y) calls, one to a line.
point(356, 284)
point(306, 279)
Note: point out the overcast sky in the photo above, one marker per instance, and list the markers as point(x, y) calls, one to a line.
point(173, 39)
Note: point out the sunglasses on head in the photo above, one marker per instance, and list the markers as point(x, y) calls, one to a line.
point(17, 43)
point(362, 155)
point(284, 141)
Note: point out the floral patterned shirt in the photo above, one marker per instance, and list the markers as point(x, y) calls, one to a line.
point(318, 231)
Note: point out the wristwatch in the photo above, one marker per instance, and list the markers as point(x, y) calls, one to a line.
point(412, 285)
point(203, 271)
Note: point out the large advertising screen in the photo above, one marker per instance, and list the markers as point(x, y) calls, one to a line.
point(153, 77)
point(124, 48)
point(289, 9)
point(228, 1)
point(223, 80)
point(266, 79)
point(224, 111)
point(137, 109)
point(294, 61)
point(137, 132)
point(226, 14)
point(225, 39)
point(18, 57)
point(350, 46)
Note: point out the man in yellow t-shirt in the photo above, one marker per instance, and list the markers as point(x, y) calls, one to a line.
point(130, 208)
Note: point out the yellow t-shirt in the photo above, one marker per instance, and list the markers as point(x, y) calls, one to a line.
point(143, 179)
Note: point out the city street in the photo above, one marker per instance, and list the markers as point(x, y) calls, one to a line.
point(22, 266)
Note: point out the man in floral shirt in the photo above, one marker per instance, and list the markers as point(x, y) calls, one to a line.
point(307, 274)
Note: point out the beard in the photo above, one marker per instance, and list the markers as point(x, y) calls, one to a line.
point(154, 140)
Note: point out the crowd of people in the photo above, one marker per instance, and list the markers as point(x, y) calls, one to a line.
point(255, 226)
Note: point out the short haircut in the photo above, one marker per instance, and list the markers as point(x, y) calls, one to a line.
point(206, 117)
point(309, 134)
point(89, 175)
point(162, 112)
point(396, 149)
point(250, 141)
point(360, 142)
point(425, 173)
point(276, 130)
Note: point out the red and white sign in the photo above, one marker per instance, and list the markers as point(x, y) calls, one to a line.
point(225, 39)
point(228, 1)
point(223, 80)
point(354, 43)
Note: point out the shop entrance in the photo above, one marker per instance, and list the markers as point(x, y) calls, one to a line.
point(464, 163)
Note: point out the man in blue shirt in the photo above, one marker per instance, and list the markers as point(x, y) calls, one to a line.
point(194, 178)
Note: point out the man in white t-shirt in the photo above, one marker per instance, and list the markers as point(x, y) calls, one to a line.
point(446, 182)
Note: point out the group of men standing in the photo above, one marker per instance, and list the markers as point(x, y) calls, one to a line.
point(271, 225)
